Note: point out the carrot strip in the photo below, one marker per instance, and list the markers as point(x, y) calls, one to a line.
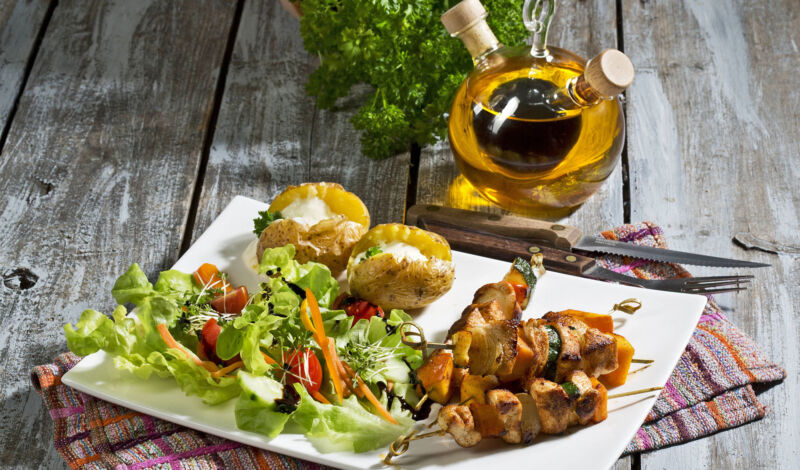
point(326, 344)
point(269, 360)
point(226, 369)
point(171, 343)
point(346, 374)
point(377, 404)
point(320, 397)
point(333, 369)
point(316, 315)
point(307, 321)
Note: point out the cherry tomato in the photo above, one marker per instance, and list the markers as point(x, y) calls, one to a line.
point(232, 302)
point(361, 309)
point(304, 367)
point(208, 340)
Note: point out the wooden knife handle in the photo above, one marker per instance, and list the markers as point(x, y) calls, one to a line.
point(551, 234)
point(507, 248)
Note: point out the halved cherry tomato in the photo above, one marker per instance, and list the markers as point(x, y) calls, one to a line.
point(359, 309)
point(304, 367)
point(208, 275)
point(232, 302)
point(208, 340)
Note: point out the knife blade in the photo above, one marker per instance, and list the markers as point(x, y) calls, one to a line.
point(560, 236)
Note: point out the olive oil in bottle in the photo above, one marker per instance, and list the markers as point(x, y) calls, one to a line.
point(536, 131)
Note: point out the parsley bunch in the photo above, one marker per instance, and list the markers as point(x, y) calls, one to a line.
point(401, 48)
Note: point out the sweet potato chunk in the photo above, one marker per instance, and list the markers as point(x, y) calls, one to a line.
point(487, 420)
point(601, 412)
point(624, 358)
point(600, 321)
point(474, 387)
point(435, 376)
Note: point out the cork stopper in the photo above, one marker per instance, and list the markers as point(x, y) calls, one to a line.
point(467, 21)
point(609, 73)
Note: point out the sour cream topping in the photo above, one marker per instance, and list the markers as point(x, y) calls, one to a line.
point(309, 210)
point(400, 251)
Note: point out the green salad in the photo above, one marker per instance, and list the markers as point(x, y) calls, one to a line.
point(286, 356)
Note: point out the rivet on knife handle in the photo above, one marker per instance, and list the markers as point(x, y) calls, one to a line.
point(551, 234)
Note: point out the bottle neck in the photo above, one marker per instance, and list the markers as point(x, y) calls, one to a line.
point(582, 93)
point(479, 40)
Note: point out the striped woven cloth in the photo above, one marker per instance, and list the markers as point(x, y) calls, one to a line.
point(709, 391)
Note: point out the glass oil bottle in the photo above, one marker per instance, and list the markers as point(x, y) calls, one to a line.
point(536, 129)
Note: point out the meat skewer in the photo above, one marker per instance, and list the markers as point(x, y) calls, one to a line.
point(549, 408)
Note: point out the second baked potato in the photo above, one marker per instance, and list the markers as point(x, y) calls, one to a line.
point(398, 266)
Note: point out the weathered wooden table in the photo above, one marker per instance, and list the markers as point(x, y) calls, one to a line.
point(128, 125)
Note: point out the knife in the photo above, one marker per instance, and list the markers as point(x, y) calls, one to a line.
point(558, 236)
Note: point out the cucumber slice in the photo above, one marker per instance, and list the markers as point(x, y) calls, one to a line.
point(256, 409)
point(571, 389)
point(553, 351)
point(260, 389)
point(526, 270)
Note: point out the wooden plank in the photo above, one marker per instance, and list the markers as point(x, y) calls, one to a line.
point(20, 22)
point(270, 134)
point(585, 28)
point(97, 172)
point(713, 147)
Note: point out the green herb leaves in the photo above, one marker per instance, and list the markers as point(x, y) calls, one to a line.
point(263, 220)
point(401, 49)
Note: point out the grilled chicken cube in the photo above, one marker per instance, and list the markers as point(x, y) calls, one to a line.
point(510, 409)
point(538, 340)
point(492, 343)
point(530, 425)
point(599, 353)
point(553, 404)
point(598, 350)
point(586, 402)
point(490, 311)
point(569, 359)
point(458, 422)
point(505, 295)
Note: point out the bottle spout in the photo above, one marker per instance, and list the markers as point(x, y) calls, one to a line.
point(536, 15)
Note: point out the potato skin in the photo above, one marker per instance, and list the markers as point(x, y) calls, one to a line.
point(404, 284)
point(328, 242)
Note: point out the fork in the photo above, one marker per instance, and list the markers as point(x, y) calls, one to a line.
point(691, 285)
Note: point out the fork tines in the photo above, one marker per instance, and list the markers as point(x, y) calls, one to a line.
point(717, 284)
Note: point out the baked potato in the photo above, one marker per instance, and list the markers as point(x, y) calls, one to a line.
point(322, 220)
point(397, 266)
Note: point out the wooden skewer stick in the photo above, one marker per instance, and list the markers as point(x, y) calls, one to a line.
point(400, 446)
point(421, 401)
point(422, 344)
point(642, 361)
point(639, 369)
point(635, 392)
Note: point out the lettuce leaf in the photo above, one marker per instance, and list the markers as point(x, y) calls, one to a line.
point(349, 427)
point(311, 275)
point(132, 286)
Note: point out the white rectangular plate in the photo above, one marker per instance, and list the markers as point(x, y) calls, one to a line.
point(659, 331)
